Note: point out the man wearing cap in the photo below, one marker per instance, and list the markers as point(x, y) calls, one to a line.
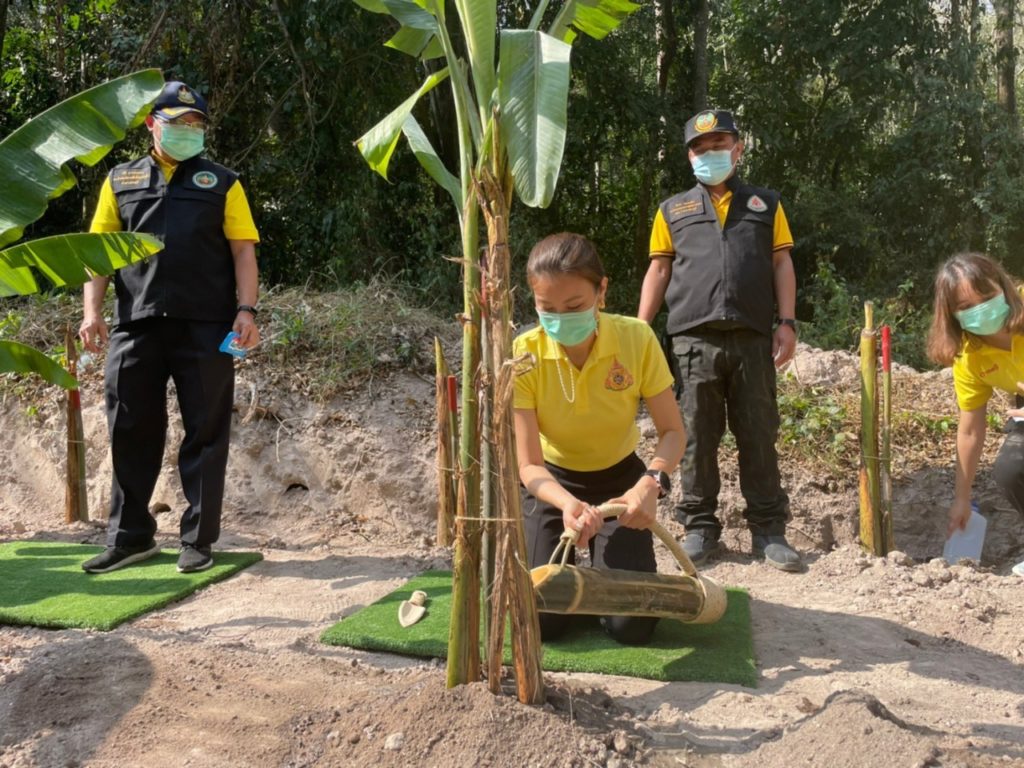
point(720, 257)
point(171, 314)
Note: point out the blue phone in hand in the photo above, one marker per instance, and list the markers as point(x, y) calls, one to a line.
point(230, 345)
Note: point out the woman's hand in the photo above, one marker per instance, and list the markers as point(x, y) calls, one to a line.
point(641, 504)
point(959, 514)
point(583, 518)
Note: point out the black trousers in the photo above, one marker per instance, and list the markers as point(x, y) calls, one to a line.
point(729, 377)
point(1008, 470)
point(615, 546)
point(143, 355)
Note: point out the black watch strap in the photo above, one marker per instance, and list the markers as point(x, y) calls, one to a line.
point(247, 308)
point(664, 481)
point(788, 321)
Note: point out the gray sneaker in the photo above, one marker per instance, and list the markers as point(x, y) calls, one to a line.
point(776, 552)
point(113, 558)
point(699, 545)
point(193, 558)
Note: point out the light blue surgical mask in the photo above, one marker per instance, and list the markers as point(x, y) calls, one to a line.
point(712, 167)
point(180, 141)
point(569, 328)
point(986, 318)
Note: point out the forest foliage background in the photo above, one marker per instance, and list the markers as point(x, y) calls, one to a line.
point(889, 126)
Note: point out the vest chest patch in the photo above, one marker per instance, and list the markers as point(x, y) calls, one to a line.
point(756, 204)
point(685, 208)
point(618, 378)
point(129, 178)
point(205, 180)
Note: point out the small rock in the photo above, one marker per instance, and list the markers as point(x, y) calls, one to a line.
point(922, 579)
point(395, 741)
point(899, 558)
point(333, 738)
point(353, 738)
point(19, 527)
point(615, 762)
point(620, 743)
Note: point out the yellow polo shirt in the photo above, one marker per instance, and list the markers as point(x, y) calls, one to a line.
point(980, 368)
point(238, 221)
point(661, 237)
point(598, 429)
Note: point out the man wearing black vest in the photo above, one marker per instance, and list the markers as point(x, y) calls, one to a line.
point(171, 315)
point(720, 257)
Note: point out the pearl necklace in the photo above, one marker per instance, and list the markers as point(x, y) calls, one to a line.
point(572, 382)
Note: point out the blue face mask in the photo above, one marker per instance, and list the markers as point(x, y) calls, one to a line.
point(712, 167)
point(986, 318)
point(181, 142)
point(569, 328)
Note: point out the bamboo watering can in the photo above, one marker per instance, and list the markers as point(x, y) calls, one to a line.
point(564, 588)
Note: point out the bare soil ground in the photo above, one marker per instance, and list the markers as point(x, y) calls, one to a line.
point(900, 661)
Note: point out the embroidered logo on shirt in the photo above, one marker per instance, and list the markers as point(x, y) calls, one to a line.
point(205, 180)
point(618, 378)
point(130, 178)
point(757, 205)
point(687, 206)
point(993, 369)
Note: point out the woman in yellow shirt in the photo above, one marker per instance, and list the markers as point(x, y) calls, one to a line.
point(575, 421)
point(978, 327)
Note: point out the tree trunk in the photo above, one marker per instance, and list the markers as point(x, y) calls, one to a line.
point(3, 26)
point(464, 632)
point(1005, 55)
point(701, 22)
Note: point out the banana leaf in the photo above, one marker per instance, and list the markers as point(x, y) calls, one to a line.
point(84, 127)
point(16, 357)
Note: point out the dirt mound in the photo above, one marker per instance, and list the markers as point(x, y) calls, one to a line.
point(904, 660)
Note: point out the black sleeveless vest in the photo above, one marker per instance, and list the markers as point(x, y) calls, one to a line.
point(722, 273)
point(193, 277)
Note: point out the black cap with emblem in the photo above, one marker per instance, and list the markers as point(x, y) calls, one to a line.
point(177, 98)
point(710, 121)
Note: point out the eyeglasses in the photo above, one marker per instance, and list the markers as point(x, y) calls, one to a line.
point(195, 125)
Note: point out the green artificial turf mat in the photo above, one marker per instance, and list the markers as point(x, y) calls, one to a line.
point(721, 652)
point(42, 584)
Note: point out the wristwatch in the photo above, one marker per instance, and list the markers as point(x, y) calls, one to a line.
point(788, 321)
point(664, 481)
point(247, 308)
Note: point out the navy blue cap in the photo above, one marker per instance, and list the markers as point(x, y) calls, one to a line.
point(177, 98)
point(710, 121)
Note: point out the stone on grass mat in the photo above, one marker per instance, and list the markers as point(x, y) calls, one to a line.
point(721, 652)
point(42, 584)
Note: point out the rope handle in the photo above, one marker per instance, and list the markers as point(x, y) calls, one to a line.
point(611, 511)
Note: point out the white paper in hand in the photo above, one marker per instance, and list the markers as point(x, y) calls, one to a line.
point(966, 542)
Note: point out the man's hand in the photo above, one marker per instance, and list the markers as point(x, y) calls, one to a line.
point(783, 345)
point(247, 330)
point(93, 332)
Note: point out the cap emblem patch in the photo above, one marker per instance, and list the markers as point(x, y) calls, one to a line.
point(706, 121)
point(185, 96)
point(756, 204)
point(205, 180)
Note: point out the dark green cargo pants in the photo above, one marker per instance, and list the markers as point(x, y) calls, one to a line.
point(729, 377)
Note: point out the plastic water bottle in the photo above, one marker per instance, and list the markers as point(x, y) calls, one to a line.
point(967, 542)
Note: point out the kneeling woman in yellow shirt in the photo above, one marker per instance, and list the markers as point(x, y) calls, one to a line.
point(575, 421)
point(978, 327)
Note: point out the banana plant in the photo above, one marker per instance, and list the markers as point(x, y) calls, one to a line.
point(510, 88)
point(34, 166)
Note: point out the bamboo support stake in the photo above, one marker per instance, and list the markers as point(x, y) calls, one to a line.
point(76, 499)
point(513, 587)
point(487, 458)
point(445, 455)
point(870, 529)
point(888, 542)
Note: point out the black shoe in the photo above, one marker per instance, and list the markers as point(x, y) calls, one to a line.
point(699, 545)
point(776, 552)
point(193, 558)
point(113, 558)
